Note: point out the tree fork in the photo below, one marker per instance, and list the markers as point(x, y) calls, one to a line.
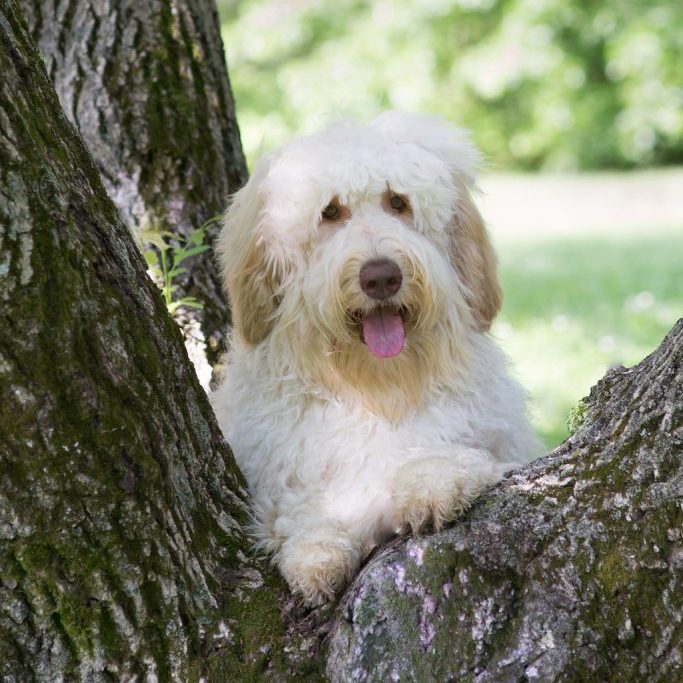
point(122, 555)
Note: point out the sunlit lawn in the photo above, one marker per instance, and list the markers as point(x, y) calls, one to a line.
point(577, 304)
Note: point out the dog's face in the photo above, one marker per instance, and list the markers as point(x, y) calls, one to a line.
point(361, 248)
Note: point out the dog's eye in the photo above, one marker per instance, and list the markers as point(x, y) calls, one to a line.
point(398, 203)
point(331, 212)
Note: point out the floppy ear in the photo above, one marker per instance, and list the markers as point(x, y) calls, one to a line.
point(473, 257)
point(249, 272)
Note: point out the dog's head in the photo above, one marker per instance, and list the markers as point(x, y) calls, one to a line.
point(362, 244)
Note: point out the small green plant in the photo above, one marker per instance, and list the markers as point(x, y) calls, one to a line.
point(164, 259)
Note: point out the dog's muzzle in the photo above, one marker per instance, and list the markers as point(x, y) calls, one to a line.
point(383, 330)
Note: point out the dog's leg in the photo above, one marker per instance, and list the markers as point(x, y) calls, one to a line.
point(318, 561)
point(437, 488)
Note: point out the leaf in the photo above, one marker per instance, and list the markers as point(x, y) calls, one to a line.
point(157, 238)
point(182, 254)
point(151, 258)
point(209, 222)
point(171, 256)
point(157, 242)
point(188, 301)
point(197, 237)
point(156, 274)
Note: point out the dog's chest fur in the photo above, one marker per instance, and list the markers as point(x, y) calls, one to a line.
point(293, 440)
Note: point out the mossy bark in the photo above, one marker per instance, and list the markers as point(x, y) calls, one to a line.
point(570, 570)
point(122, 555)
point(146, 85)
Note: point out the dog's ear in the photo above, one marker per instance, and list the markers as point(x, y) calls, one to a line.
point(249, 270)
point(472, 255)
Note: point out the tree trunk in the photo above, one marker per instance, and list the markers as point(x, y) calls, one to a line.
point(146, 85)
point(570, 570)
point(122, 555)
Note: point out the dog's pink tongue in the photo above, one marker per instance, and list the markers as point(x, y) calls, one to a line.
point(383, 333)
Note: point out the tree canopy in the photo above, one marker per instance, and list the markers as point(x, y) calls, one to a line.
point(551, 84)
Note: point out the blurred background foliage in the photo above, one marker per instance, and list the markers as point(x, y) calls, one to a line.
point(551, 84)
point(592, 264)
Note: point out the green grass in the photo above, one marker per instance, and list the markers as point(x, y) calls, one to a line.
point(576, 306)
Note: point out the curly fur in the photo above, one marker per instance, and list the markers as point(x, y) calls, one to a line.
point(342, 449)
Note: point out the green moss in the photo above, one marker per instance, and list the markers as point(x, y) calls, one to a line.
point(58, 624)
point(40, 562)
point(109, 633)
point(259, 641)
point(576, 417)
point(612, 573)
point(258, 623)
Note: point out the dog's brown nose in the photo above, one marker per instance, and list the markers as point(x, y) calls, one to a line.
point(380, 279)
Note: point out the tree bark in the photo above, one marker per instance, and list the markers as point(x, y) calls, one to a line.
point(570, 570)
point(122, 555)
point(146, 85)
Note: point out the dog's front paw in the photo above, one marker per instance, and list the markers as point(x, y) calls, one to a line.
point(317, 563)
point(436, 489)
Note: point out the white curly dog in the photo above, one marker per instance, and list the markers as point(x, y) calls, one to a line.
point(363, 395)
